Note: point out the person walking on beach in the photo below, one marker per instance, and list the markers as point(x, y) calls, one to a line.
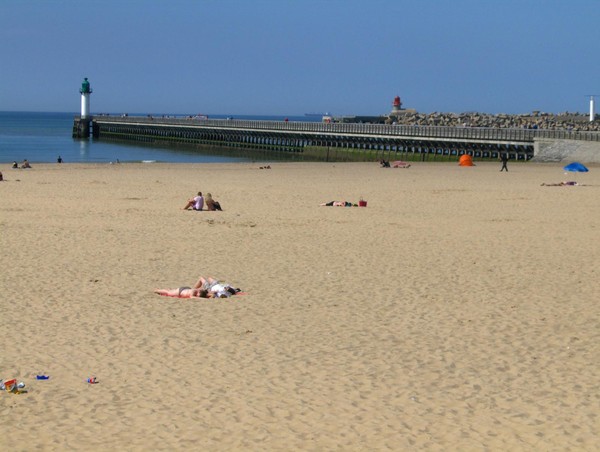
point(504, 160)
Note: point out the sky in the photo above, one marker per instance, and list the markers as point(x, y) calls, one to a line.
point(290, 57)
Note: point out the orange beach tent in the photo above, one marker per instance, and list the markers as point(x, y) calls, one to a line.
point(465, 160)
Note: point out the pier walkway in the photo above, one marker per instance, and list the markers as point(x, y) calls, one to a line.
point(334, 141)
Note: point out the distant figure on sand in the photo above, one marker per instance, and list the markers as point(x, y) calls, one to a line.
point(211, 204)
point(504, 160)
point(400, 164)
point(25, 164)
point(59, 159)
point(339, 204)
point(561, 184)
point(182, 292)
point(1, 177)
point(196, 203)
point(215, 288)
point(204, 288)
point(15, 165)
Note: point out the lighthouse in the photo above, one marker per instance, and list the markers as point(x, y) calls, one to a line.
point(396, 105)
point(397, 110)
point(85, 98)
point(81, 126)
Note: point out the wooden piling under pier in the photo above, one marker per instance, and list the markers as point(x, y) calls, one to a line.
point(330, 142)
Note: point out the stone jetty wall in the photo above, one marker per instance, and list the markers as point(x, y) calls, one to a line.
point(536, 120)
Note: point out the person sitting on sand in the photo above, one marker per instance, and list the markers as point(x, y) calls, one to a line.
point(25, 164)
point(15, 165)
point(384, 163)
point(339, 204)
point(183, 292)
point(196, 203)
point(211, 204)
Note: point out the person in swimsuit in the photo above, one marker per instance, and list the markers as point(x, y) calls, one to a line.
point(339, 204)
point(215, 288)
point(561, 184)
point(183, 292)
point(204, 288)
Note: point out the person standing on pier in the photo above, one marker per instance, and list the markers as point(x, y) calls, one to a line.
point(504, 160)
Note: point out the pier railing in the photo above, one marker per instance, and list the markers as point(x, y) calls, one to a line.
point(381, 130)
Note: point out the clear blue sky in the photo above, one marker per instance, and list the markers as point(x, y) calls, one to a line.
point(288, 57)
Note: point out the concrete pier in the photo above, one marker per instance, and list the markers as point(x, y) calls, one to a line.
point(334, 142)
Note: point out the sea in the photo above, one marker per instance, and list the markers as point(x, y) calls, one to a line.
point(41, 137)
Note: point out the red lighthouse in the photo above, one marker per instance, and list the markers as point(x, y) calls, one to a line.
point(397, 105)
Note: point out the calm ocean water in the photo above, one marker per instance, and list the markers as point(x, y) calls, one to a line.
point(42, 137)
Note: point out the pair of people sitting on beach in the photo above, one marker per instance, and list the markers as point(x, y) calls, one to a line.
point(25, 164)
point(198, 201)
point(204, 288)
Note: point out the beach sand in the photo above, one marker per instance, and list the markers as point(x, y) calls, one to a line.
point(457, 311)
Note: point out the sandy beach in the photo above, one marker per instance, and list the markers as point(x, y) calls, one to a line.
point(457, 311)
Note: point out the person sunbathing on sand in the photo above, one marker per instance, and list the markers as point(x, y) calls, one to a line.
point(338, 204)
point(204, 288)
point(215, 288)
point(183, 292)
point(561, 184)
point(400, 164)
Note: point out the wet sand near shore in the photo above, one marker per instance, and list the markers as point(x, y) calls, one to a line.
point(457, 311)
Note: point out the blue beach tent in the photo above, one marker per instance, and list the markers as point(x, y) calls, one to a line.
point(576, 167)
